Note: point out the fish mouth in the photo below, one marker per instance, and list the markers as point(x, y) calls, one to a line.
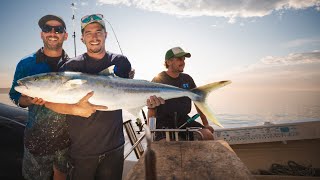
point(21, 84)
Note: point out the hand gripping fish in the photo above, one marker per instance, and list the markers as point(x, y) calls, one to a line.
point(110, 91)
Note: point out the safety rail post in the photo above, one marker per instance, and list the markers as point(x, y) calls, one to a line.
point(138, 150)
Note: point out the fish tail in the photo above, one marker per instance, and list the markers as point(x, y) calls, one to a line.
point(203, 92)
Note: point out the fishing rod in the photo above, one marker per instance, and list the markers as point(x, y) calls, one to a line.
point(74, 29)
point(193, 118)
point(114, 34)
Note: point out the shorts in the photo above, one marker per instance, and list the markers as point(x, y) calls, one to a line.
point(105, 166)
point(41, 167)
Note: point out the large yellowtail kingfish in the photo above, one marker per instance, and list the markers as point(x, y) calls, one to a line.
point(113, 92)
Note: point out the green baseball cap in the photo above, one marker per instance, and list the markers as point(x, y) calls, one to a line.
point(176, 52)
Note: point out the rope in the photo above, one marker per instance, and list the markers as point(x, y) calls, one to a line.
point(292, 169)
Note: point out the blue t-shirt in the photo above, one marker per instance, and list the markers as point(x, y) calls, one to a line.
point(46, 130)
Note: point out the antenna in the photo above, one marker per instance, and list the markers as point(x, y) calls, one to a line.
point(114, 35)
point(74, 29)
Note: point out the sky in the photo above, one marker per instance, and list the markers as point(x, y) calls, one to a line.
point(270, 50)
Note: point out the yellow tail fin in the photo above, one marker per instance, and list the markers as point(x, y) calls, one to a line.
point(203, 91)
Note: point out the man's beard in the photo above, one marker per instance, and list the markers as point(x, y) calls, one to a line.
point(180, 70)
point(95, 50)
point(52, 46)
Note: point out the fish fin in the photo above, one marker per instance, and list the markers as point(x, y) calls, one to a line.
point(74, 83)
point(108, 72)
point(203, 91)
point(135, 111)
point(210, 87)
point(207, 112)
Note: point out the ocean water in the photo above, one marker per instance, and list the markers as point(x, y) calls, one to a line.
point(4, 98)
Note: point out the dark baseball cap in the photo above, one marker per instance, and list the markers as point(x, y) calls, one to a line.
point(49, 17)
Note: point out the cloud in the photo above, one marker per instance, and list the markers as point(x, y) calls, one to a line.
point(294, 72)
point(303, 41)
point(219, 8)
point(284, 88)
point(293, 59)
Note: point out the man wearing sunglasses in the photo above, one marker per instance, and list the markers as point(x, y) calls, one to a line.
point(97, 142)
point(46, 137)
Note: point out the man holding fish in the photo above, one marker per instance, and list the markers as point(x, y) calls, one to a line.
point(97, 142)
point(46, 138)
point(174, 113)
point(97, 139)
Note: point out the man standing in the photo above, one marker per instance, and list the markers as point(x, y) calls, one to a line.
point(46, 138)
point(177, 109)
point(97, 142)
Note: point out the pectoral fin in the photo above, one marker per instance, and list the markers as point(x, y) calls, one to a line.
point(74, 83)
point(108, 72)
point(135, 111)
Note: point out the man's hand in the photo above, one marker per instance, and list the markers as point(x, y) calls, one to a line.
point(26, 101)
point(38, 101)
point(154, 101)
point(84, 108)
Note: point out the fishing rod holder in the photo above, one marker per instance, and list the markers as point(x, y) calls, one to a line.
point(135, 142)
point(172, 134)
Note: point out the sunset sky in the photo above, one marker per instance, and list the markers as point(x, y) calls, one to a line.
point(268, 49)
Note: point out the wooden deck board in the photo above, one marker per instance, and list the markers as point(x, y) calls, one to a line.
point(193, 160)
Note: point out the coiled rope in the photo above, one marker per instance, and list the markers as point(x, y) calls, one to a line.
point(292, 169)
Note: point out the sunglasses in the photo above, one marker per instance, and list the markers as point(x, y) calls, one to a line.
point(92, 17)
point(57, 29)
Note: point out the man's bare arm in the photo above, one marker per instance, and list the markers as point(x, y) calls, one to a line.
point(152, 103)
point(25, 101)
point(204, 119)
point(83, 108)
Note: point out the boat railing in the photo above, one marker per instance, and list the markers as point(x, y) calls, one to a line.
point(170, 135)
